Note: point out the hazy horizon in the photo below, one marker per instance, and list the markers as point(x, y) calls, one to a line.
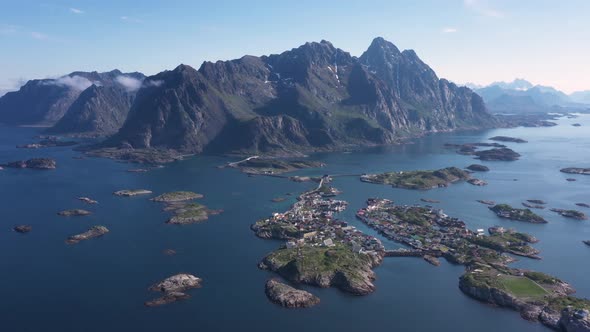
point(465, 41)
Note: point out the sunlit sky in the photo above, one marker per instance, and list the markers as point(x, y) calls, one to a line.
point(479, 41)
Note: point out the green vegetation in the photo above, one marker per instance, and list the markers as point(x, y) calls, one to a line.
point(419, 179)
point(541, 277)
point(559, 303)
point(522, 287)
point(413, 215)
point(508, 242)
point(275, 230)
point(308, 262)
point(507, 211)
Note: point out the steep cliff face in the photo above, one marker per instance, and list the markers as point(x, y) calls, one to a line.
point(314, 97)
point(425, 102)
point(174, 109)
point(99, 110)
point(44, 102)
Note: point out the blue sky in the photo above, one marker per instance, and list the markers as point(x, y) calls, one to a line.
point(481, 41)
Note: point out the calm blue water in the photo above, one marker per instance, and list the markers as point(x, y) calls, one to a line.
point(100, 285)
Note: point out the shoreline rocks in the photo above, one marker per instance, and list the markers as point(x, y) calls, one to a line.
point(289, 297)
point(93, 232)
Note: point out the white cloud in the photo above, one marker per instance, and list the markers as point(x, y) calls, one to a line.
point(76, 11)
point(130, 19)
point(449, 30)
point(39, 35)
point(78, 83)
point(156, 83)
point(129, 83)
point(482, 7)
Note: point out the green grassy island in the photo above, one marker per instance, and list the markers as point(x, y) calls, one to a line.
point(268, 166)
point(177, 196)
point(336, 266)
point(419, 179)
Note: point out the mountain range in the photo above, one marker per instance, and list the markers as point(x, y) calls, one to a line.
point(313, 97)
point(521, 96)
point(77, 103)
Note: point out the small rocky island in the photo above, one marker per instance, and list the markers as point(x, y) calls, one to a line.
point(23, 229)
point(74, 213)
point(184, 210)
point(508, 212)
point(132, 192)
point(533, 206)
point(572, 214)
point(173, 289)
point(35, 163)
point(288, 296)
point(486, 202)
point(478, 168)
point(575, 170)
point(536, 201)
point(422, 180)
point(47, 142)
point(87, 200)
point(93, 232)
point(148, 156)
point(266, 166)
point(508, 139)
point(497, 154)
point(177, 196)
point(585, 205)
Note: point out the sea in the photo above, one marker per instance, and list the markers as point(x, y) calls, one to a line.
point(102, 284)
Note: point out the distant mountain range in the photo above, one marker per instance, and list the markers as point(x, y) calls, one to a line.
point(314, 97)
point(77, 103)
point(521, 96)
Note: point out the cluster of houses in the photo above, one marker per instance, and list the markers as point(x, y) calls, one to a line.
point(313, 217)
point(440, 234)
